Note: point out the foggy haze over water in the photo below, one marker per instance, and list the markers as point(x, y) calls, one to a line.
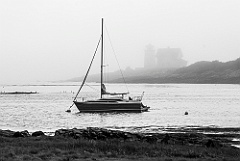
point(44, 40)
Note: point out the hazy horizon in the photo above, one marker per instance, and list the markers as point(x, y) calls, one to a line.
point(50, 40)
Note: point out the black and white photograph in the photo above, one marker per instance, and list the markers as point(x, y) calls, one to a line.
point(119, 80)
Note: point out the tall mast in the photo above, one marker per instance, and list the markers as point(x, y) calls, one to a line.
point(102, 60)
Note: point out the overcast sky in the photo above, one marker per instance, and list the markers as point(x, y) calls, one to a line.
point(55, 39)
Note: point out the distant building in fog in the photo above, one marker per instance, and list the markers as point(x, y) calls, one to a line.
point(150, 57)
point(164, 58)
point(170, 58)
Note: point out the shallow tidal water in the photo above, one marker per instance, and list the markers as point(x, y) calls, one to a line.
point(207, 105)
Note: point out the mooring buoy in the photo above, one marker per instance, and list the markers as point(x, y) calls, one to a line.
point(68, 110)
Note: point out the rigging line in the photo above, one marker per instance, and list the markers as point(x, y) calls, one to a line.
point(92, 88)
point(116, 59)
point(87, 70)
point(96, 90)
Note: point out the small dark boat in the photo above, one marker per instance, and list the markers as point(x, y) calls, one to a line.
point(108, 104)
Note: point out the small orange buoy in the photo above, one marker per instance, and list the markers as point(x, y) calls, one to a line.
point(186, 113)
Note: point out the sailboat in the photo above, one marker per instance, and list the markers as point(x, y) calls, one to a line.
point(105, 103)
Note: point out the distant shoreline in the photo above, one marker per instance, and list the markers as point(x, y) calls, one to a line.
point(203, 72)
point(96, 84)
point(17, 92)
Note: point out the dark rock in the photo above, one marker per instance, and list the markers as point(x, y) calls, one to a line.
point(212, 143)
point(18, 134)
point(6, 133)
point(25, 133)
point(38, 133)
point(9, 133)
point(61, 132)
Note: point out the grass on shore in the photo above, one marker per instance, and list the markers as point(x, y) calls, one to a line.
point(68, 149)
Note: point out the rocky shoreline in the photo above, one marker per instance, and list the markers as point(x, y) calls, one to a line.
point(213, 137)
point(94, 143)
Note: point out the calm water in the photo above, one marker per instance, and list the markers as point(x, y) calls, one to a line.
point(207, 105)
